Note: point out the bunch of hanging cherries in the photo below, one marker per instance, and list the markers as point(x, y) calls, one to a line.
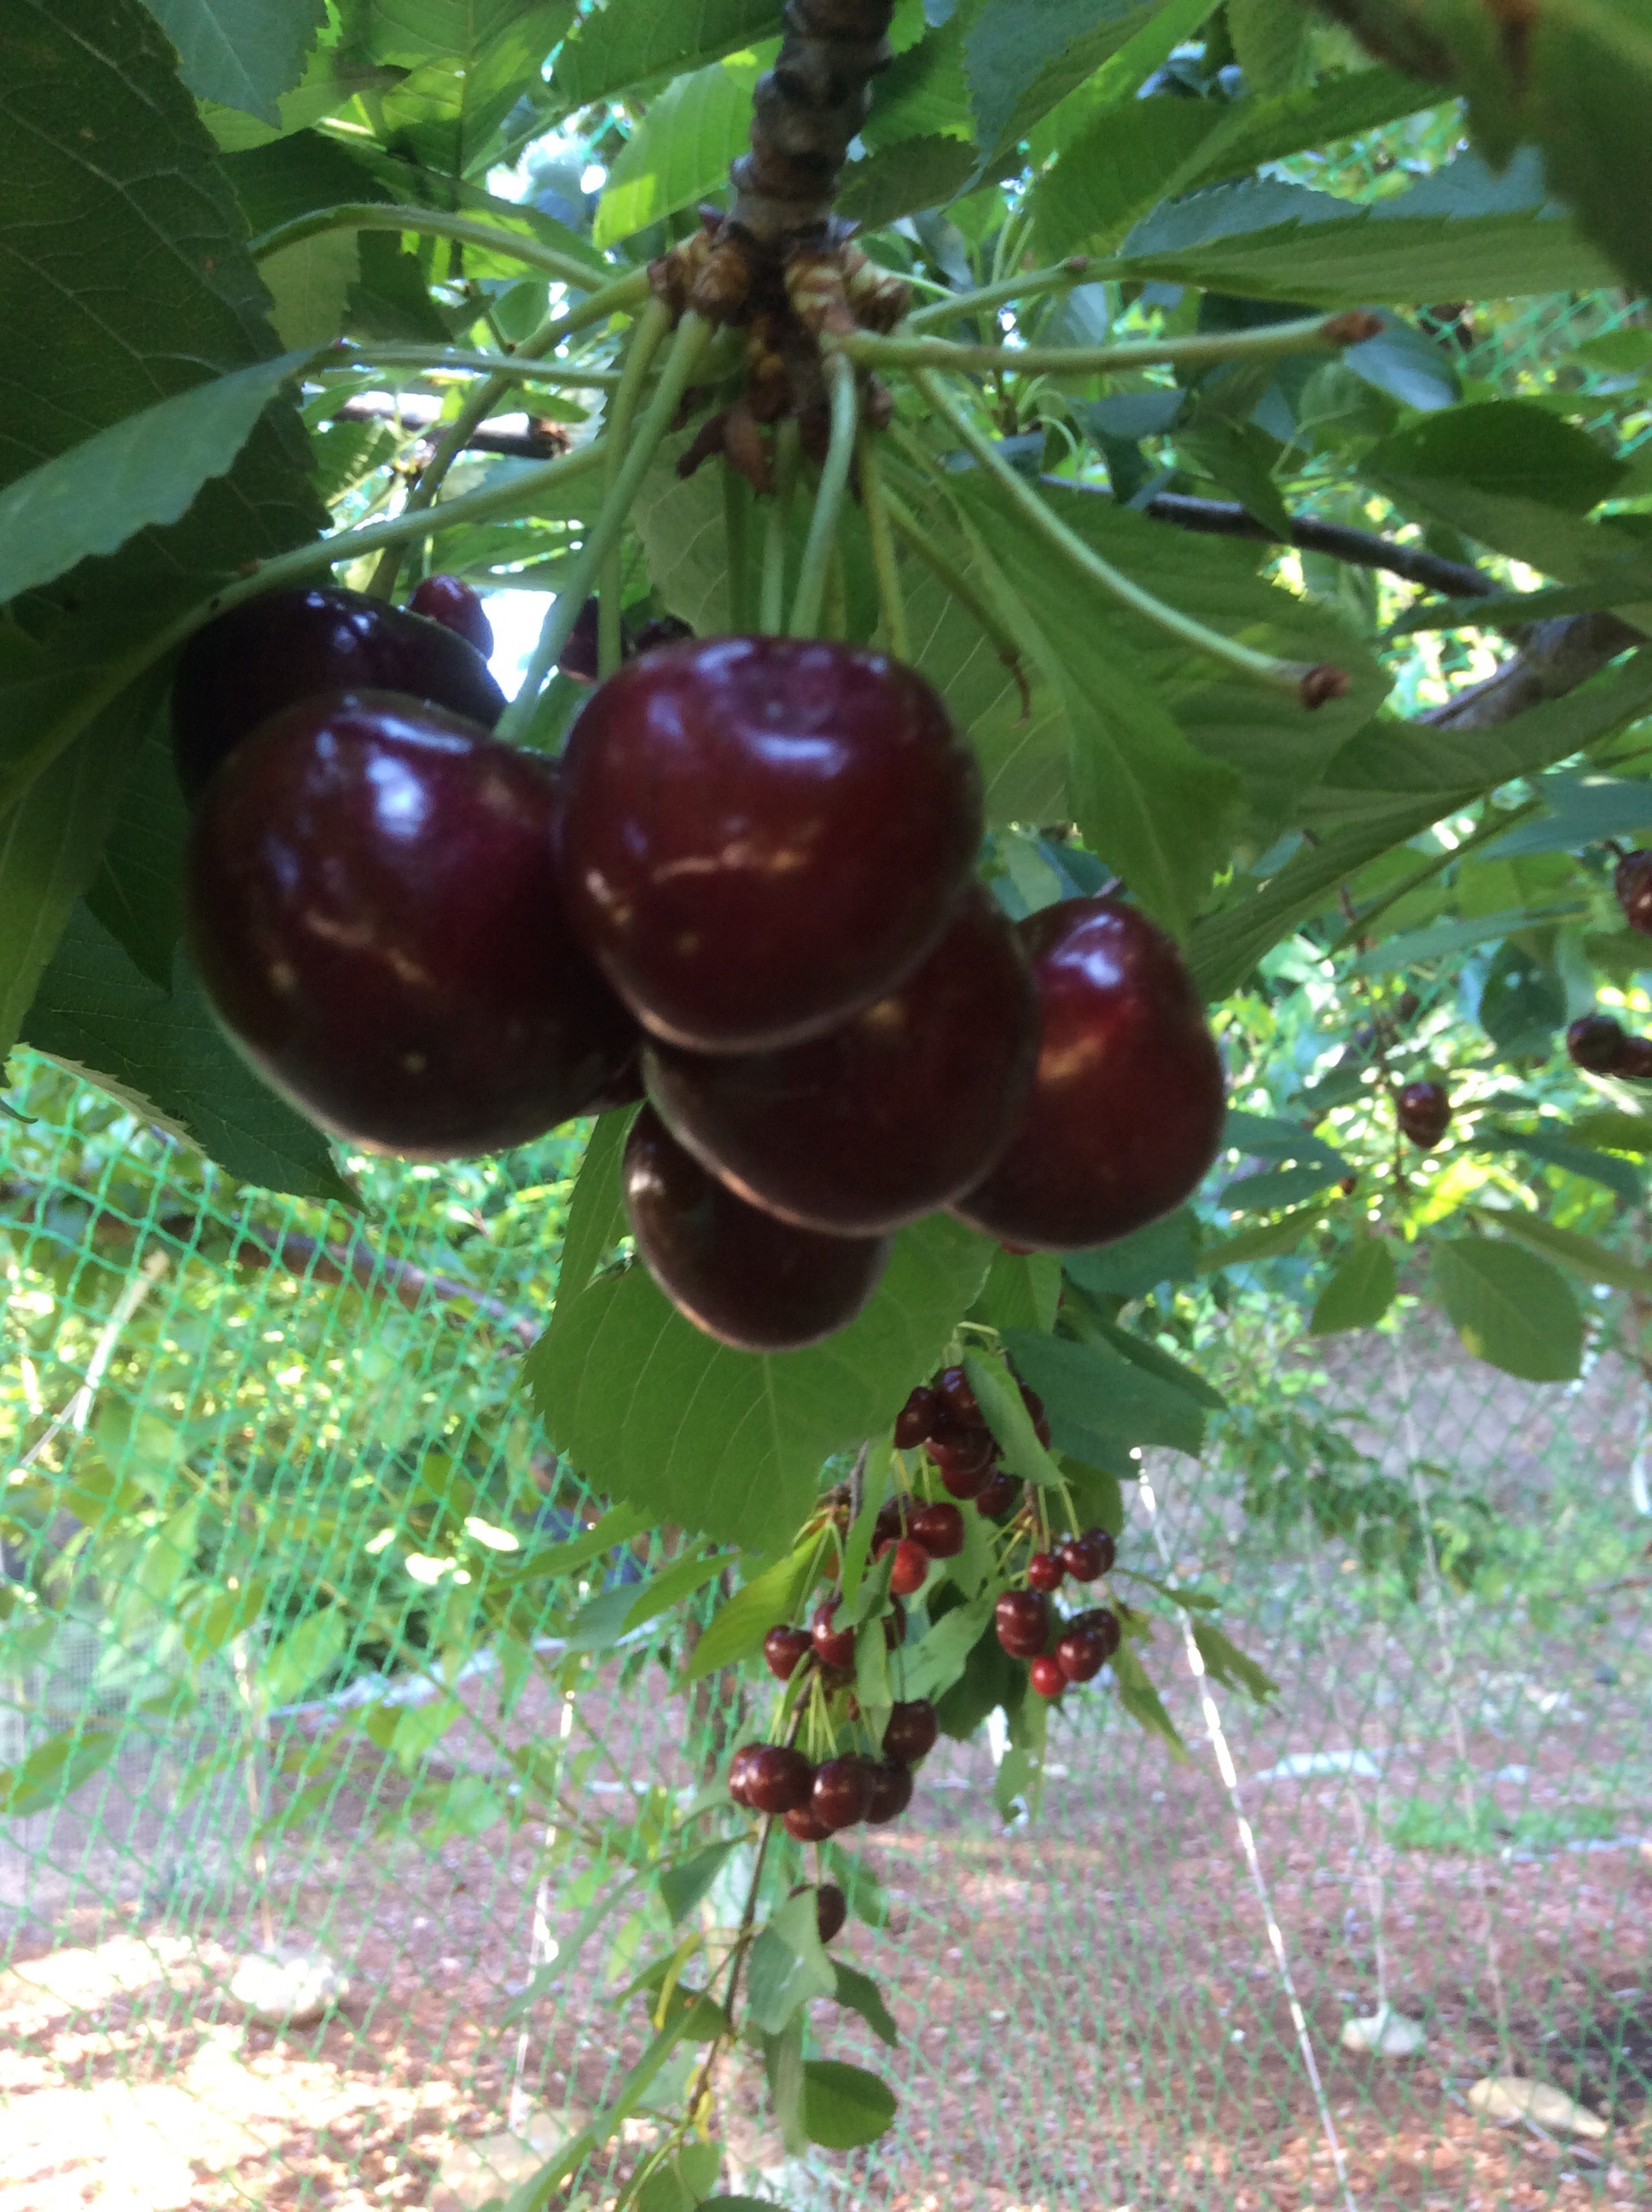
point(746, 893)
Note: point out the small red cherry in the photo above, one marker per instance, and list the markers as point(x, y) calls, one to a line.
point(834, 1647)
point(1045, 1571)
point(997, 1495)
point(1081, 1654)
point(842, 1791)
point(910, 1569)
point(917, 1418)
point(831, 1910)
point(1022, 1619)
point(956, 1387)
point(785, 1649)
point(939, 1529)
point(911, 1732)
point(779, 1779)
point(805, 1825)
point(1089, 1555)
point(891, 1792)
point(739, 1772)
point(1045, 1676)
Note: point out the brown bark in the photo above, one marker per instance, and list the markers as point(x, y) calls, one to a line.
point(805, 112)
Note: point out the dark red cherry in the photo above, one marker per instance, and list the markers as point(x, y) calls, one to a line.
point(740, 1274)
point(911, 1731)
point(888, 1116)
point(578, 660)
point(1022, 1621)
point(910, 1569)
point(1098, 1620)
point(997, 1495)
point(957, 1390)
point(1632, 882)
point(785, 1651)
point(1596, 1044)
point(831, 1910)
point(891, 1792)
point(1126, 1110)
point(450, 601)
point(939, 1529)
point(916, 1418)
point(1636, 1058)
point(739, 1772)
point(965, 1485)
point(805, 1826)
point(779, 1779)
point(842, 1791)
point(1045, 1676)
point(833, 1646)
point(372, 903)
point(764, 835)
point(891, 1523)
point(1424, 1112)
point(1081, 1654)
point(269, 653)
point(661, 629)
point(1087, 1556)
point(962, 1452)
point(1045, 1571)
point(624, 1087)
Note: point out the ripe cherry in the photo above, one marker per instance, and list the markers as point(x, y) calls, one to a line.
point(1636, 1058)
point(1100, 1622)
point(1596, 1044)
point(1045, 1676)
point(785, 1651)
point(450, 601)
point(1022, 1619)
point(779, 1779)
point(372, 903)
point(910, 1569)
point(916, 1418)
point(805, 1826)
point(997, 1495)
point(911, 1731)
point(739, 1772)
point(891, 1792)
point(834, 1647)
point(1126, 1110)
point(831, 1910)
point(959, 1392)
point(939, 1529)
point(962, 1452)
point(842, 1791)
point(739, 1274)
point(764, 835)
point(1045, 1571)
point(272, 653)
point(886, 1116)
point(577, 658)
point(1424, 1113)
point(891, 1523)
point(1082, 1652)
point(1632, 881)
point(966, 1483)
point(1089, 1555)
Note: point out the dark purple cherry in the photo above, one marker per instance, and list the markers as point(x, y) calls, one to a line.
point(1424, 1112)
point(916, 1418)
point(1087, 1556)
point(450, 601)
point(269, 653)
point(997, 1494)
point(962, 1452)
point(1636, 1058)
point(661, 629)
point(740, 1274)
point(1045, 1676)
point(911, 1731)
point(1045, 1571)
point(1596, 1044)
point(764, 835)
point(371, 900)
point(842, 1791)
point(833, 1646)
point(779, 1779)
point(1022, 1619)
point(1098, 1620)
point(739, 1772)
point(891, 1792)
point(785, 1649)
point(1632, 882)
point(939, 1529)
point(831, 1910)
point(900, 1107)
point(1082, 1652)
point(625, 1088)
point(1126, 1110)
point(965, 1483)
point(959, 1393)
point(805, 1826)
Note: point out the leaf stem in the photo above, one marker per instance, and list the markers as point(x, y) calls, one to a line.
point(649, 333)
point(1310, 333)
point(771, 598)
point(1284, 675)
point(829, 499)
point(518, 367)
point(1079, 269)
point(521, 718)
point(429, 223)
point(874, 497)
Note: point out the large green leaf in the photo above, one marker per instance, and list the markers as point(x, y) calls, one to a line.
point(844, 2106)
point(54, 1770)
point(1099, 1405)
point(242, 53)
point(1503, 445)
point(472, 64)
point(1360, 1292)
point(1585, 1255)
point(925, 93)
point(1024, 56)
point(1509, 1308)
point(731, 1441)
point(903, 179)
point(683, 147)
point(623, 45)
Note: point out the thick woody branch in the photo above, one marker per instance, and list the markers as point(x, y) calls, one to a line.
point(804, 112)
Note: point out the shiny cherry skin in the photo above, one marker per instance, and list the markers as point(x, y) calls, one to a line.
point(1081, 1654)
point(1089, 1555)
point(959, 1393)
point(805, 1826)
point(997, 1494)
point(1098, 1620)
point(1596, 1044)
point(957, 1450)
point(1022, 1619)
point(1126, 1110)
point(939, 1529)
point(1636, 1058)
point(966, 1482)
point(741, 1275)
point(739, 1772)
point(764, 835)
point(450, 601)
point(372, 903)
point(833, 1646)
point(831, 1910)
point(1424, 1113)
point(1045, 1676)
point(911, 1567)
point(268, 654)
point(911, 1731)
point(904, 1105)
point(1632, 881)
point(780, 1779)
point(842, 1791)
point(1045, 1571)
point(891, 1792)
point(916, 1419)
point(785, 1651)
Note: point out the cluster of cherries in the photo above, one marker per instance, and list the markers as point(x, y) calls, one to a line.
point(747, 887)
point(1601, 1046)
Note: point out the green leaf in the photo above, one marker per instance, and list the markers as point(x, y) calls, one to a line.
point(788, 1965)
point(683, 1886)
point(1266, 1242)
point(730, 1442)
point(304, 1655)
point(1024, 56)
point(1006, 1415)
point(145, 470)
point(1153, 1359)
point(1164, 1252)
point(1588, 86)
point(857, 1992)
point(930, 1668)
point(681, 149)
point(1240, 459)
point(618, 48)
point(242, 53)
point(1099, 1405)
point(1022, 1290)
point(1509, 1308)
point(1442, 938)
point(1624, 1181)
point(1143, 1702)
point(736, 1630)
point(1228, 1665)
point(844, 2106)
point(1617, 1133)
point(903, 179)
point(1270, 1137)
point(924, 94)
point(138, 892)
point(166, 1057)
point(1584, 1255)
point(671, 1585)
point(1360, 1292)
point(54, 1770)
point(1503, 445)
point(328, 85)
point(596, 1219)
point(1271, 42)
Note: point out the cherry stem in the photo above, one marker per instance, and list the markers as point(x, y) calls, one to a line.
point(518, 368)
point(771, 600)
point(521, 722)
point(886, 568)
point(829, 498)
point(1079, 270)
point(1313, 332)
point(1286, 676)
point(649, 333)
point(434, 222)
